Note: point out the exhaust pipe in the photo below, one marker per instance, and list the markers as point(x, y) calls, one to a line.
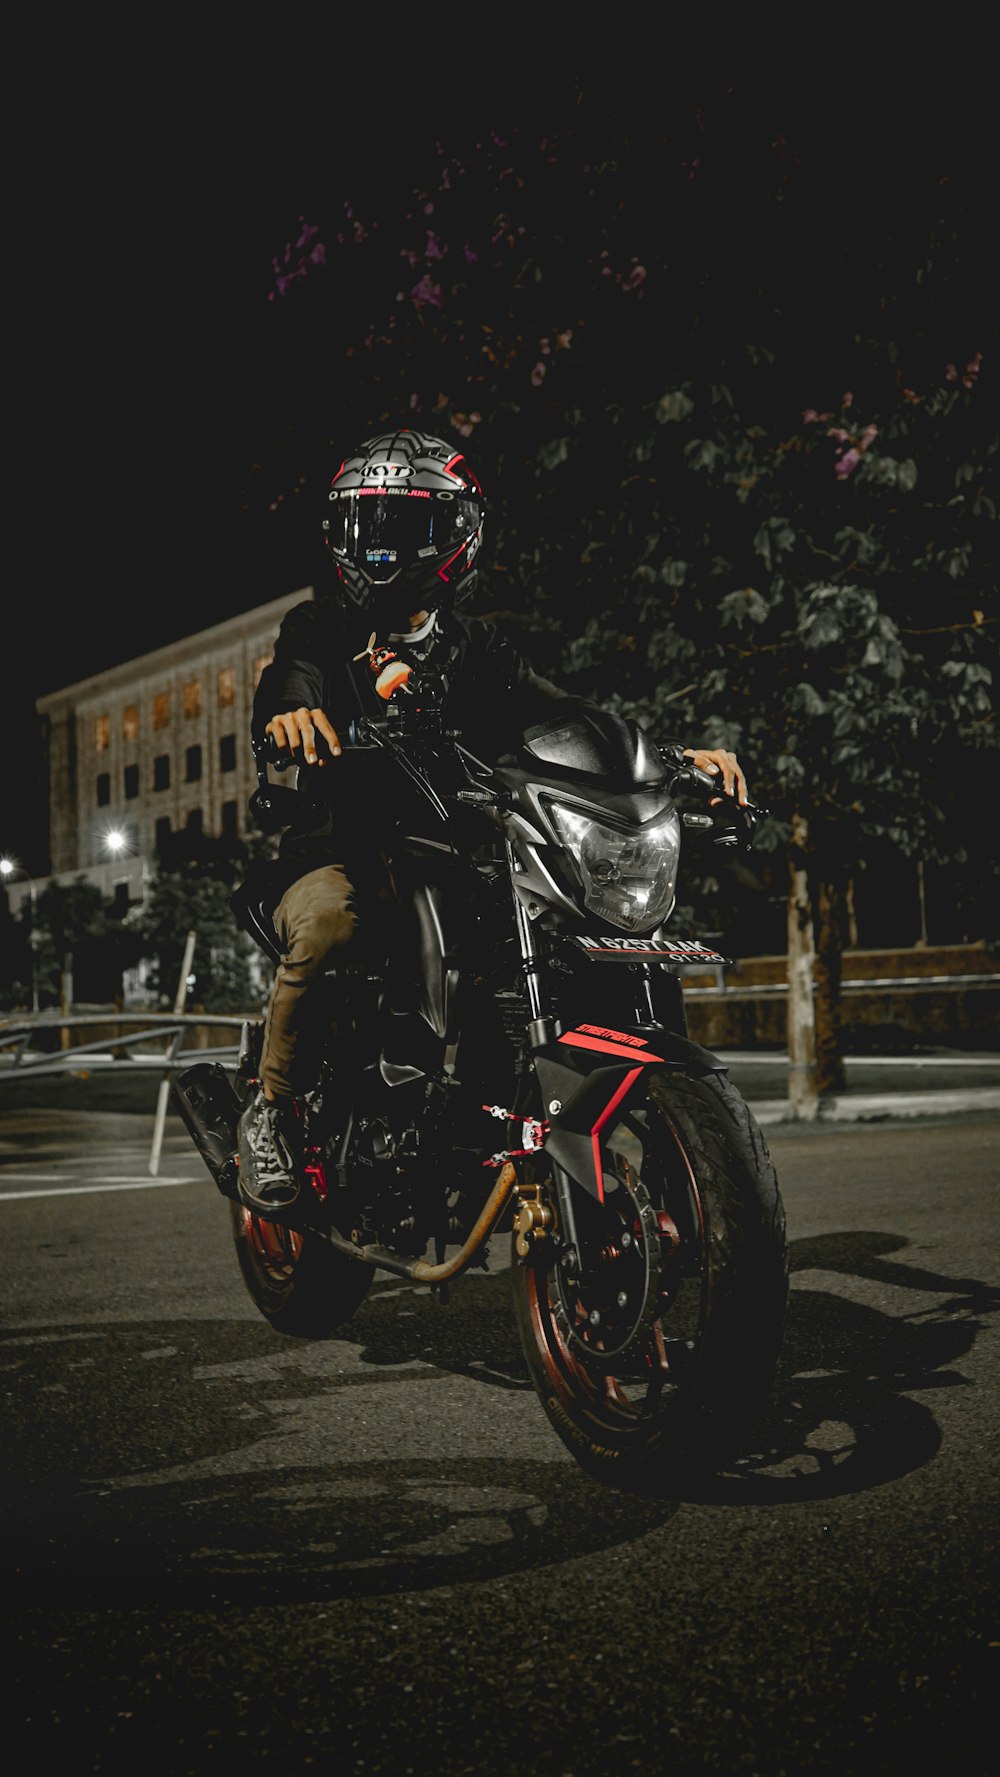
point(208, 1106)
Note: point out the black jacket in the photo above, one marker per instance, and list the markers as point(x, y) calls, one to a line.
point(493, 696)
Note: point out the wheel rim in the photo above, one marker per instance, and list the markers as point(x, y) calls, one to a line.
point(624, 1368)
point(276, 1249)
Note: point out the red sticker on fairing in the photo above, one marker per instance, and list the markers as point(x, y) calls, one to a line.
point(616, 1036)
point(595, 1134)
point(615, 1042)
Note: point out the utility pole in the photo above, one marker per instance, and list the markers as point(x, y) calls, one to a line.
point(33, 944)
point(66, 997)
point(164, 1092)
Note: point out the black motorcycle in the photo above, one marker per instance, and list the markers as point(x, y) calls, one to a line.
point(508, 1053)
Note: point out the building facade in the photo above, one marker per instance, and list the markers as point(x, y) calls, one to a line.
point(153, 746)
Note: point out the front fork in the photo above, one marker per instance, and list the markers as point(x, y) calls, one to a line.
point(534, 1220)
point(586, 1075)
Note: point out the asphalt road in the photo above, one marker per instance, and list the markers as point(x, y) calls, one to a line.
point(224, 1549)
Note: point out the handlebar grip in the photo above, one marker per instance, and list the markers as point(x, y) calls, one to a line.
point(693, 776)
point(268, 752)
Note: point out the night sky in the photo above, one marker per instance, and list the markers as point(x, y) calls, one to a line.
point(143, 324)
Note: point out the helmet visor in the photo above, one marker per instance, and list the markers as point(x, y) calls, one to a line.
point(386, 531)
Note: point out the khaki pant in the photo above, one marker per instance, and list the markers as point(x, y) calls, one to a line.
point(315, 920)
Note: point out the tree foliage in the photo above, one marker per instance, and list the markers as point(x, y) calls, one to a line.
point(76, 932)
point(192, 893)
point(824, 601)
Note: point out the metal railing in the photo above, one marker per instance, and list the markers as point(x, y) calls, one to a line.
point(18, 1057)
point(117, 1049)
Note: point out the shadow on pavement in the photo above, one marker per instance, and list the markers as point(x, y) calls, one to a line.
point(192, 1462)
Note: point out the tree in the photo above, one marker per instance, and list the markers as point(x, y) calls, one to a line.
point(845, 642)
point(15, 957)
point(80, 941)
point(194, 900)
point(722, 383)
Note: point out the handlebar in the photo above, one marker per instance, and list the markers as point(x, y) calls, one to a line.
point(731, 822)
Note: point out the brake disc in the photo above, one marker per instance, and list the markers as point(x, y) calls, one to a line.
point(605, 1310)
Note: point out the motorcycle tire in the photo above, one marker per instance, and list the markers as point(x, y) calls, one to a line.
point(654, 1358)
point(298, 1281)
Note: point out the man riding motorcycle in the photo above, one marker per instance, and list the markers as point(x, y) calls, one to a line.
point(404, 528)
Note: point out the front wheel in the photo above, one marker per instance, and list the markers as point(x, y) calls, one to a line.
point(300, 1283)
point(654, 1350)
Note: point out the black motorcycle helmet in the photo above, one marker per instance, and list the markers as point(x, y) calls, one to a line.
point(404, 527)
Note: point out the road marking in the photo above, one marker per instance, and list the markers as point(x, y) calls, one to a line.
point(136, 1184)
point(36, 1177)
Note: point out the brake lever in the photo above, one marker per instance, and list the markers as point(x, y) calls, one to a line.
point(734, 821)
point(710, 785)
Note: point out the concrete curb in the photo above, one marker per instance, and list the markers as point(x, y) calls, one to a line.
point(879, 1107)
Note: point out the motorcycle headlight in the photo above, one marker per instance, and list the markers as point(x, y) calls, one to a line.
point(629, 876)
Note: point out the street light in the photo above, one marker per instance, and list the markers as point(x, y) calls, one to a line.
point(116, 841)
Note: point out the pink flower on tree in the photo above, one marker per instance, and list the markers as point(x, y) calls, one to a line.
point(426, 294)
point(295, 261)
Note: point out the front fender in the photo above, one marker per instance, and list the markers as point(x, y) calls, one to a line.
point(589, 1072)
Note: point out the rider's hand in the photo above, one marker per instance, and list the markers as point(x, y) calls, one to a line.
point(716, 760)
point(297, 728)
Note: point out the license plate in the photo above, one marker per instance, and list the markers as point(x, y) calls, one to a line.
point(669, 950)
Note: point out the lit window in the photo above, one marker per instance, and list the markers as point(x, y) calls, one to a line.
point(161, 709)
point(130, 723)
point(102, 733)
point(227, 685)
point(192, 698)
point(259, 664)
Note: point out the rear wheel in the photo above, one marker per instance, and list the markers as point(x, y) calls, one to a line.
point(656, 1349)
point(300, 1283)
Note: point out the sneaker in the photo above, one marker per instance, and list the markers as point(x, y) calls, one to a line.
point(270, 1153)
